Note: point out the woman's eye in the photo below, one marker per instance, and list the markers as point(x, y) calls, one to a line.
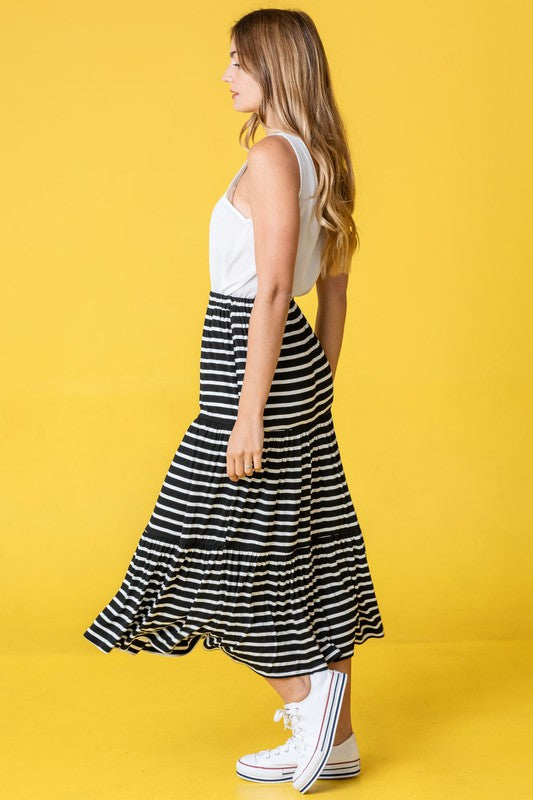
point(235, 65)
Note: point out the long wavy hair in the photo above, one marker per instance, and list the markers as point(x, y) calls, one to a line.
point(283, 52)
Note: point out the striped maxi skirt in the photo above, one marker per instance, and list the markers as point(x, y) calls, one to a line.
point(271, 569)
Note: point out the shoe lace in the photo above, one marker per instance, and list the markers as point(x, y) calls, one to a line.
point(291, 719)
point(277, 750)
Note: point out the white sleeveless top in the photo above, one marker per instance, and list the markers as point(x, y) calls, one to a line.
point(231, 236)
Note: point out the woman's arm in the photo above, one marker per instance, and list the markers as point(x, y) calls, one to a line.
point(331, 315)
point(273, 176)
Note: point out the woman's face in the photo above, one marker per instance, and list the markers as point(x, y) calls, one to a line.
point(246, 92)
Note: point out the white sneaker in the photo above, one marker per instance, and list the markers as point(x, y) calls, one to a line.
point(313, 721)
point(278, 764)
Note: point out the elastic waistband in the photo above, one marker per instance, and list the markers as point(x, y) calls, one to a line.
point(227, 424)
point(220, 299)
point(233, 299)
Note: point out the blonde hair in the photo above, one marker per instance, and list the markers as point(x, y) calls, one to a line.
point(283, 52)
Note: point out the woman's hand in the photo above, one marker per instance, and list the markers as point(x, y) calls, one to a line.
point(245, 447)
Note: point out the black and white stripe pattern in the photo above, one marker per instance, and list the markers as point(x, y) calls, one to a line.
point(271, 569)
point(302, 386)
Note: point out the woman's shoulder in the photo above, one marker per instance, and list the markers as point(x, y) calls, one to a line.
point(273, 155)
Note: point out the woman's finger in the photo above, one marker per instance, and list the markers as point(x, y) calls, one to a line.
point(239, 471)
point(230, 468)
point(249, 464)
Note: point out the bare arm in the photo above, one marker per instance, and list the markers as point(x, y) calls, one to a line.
point(274, 183)
point(331, 315)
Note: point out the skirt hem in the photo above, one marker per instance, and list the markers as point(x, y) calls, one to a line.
point(204, 638)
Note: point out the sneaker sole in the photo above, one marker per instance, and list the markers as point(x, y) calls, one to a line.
point(267, 780)
point(349, 769)
point(321, 753)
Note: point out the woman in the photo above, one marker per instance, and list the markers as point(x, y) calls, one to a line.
point(254, 546)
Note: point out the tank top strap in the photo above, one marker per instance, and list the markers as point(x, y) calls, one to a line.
point(308, 177)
